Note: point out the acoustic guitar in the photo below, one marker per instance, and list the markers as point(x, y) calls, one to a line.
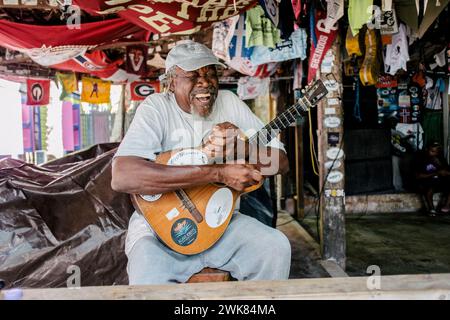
point(191, 220)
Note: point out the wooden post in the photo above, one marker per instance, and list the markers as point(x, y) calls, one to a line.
point(445, 118)
point(123, 109)
point(330, 132)
point(299, 178)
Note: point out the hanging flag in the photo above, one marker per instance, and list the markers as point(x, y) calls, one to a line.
point(38, 92)
point(69, 85)
point(136, 58)
point(97, 64)
point(325, 38)
point(95, 91)
point(142, 89)
point(49, 45)
point(164, 17)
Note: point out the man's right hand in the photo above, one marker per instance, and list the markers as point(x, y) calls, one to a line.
point(238, 176)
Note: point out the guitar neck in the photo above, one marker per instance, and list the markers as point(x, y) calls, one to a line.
point(281, 122)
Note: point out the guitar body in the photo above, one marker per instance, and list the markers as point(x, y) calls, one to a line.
point(172, 220)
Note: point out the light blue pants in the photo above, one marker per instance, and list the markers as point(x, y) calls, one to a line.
point(249, 250)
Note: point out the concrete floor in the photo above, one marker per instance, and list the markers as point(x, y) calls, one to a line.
point(305, 262)
point(403, 243)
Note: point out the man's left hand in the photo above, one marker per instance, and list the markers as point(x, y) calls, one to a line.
point(226, 141)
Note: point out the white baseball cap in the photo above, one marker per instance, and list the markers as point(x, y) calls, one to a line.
point(191, 56)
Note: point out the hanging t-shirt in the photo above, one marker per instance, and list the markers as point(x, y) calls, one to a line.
point(239, 54)
point(359, 13)
point(396, 54)
point(252, 87)
point(293, 48)
point(413, 132)
point(161, 125)
point(434, 91)
point(223, 32)
point(260, 31)
point(281, 13)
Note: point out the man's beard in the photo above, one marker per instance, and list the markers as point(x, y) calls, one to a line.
point(199, 117)
point(205, 116)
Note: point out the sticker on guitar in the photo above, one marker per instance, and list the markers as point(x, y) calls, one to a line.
point(151, 197)
point(219, 207)
point(184, 232)
point(183, 157)
point(188, 157)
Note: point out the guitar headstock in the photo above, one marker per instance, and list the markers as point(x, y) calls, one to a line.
point(315, 92)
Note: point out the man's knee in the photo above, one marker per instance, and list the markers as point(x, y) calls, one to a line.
point(275, 260)
point(275, 242)
point(282, 246)
point(142, 267)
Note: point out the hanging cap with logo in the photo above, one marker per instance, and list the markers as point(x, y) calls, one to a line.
point(191, 56)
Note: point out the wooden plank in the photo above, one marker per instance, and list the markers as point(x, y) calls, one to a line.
point(433, 286)
point(333, 268)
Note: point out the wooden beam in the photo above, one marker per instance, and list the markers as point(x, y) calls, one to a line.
point(330, 117)
point(433, 286)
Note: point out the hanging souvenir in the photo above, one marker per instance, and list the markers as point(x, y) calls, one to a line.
point(370, 67)
point(38, 92)
point(415, 93)
point(95, 91)
point(69, 84)
point(142, 89)
point(389, 24)
point(325, 39)
point(387, 101)
point(136, 60)
point(284, 22)
point(293, 48)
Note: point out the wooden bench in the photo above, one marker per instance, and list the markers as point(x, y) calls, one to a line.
point(210, 275)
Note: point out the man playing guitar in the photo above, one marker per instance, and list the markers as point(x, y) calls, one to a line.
point(180, 118)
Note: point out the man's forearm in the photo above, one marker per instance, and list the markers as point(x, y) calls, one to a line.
point(138, 175)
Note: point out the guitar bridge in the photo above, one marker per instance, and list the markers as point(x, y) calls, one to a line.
point(189, 205)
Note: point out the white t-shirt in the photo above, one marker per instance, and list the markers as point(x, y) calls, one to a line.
point(397, 54)
point(160, 125)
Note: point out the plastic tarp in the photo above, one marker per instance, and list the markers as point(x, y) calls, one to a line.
point(60, 216)
point(63, 215)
